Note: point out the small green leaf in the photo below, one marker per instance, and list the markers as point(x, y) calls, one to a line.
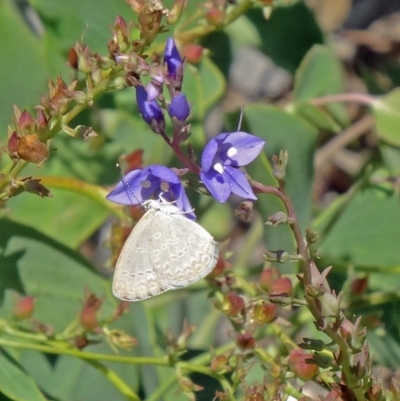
point(320, 118)
point(364, 230)
point(288, 34)
point(319, 74)
point(387, 113)
point(204, 85)
point(15, 383)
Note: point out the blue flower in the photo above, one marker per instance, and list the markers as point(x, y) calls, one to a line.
point(172, 59)
point(221, 160)
point(150, 183)
point(150, 110)
point(179, 107)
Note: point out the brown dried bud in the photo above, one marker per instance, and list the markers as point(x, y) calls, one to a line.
point(176, 11)
point(244, 210)
point(219, 364)
point(33, 185)
point(30, 149)
point(121, 309)
point(24, 307)
point(81, 342)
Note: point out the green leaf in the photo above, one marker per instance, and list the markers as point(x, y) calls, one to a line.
point(387, 113)
point(204, 85)
point(319, 74)
point(73, 20)
point(365, 230)
point(15, 383)
point(67, 217)
point(57, 276)
point(19, 50)
point(321, 119)
point(288, 34)
point(72, 378)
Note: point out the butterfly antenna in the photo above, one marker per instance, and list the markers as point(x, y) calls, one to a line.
point(241, 118)
point(128, 188)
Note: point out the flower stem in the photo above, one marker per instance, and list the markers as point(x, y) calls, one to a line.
point(352, 381)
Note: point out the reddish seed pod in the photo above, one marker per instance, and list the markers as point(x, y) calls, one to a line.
point(299, 364)
point(24, 307)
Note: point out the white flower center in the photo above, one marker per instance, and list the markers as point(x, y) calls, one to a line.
point(145, 184)
point(164, 186)
point(231, 152)
point(219, 168)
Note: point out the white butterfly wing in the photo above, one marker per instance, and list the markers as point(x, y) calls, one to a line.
point(135, 278)
point(184, 252)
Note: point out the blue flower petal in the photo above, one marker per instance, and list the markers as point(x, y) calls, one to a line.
point(179, 107)
point(150, 110)
point(128, 190)
point(164, 173)
point(238, 182)
point(172, 58)
point(216, 184)
point(208, 156)
point(152, 182)
point(247, 147)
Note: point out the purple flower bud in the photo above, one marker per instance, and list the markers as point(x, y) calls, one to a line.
point(150, 110)
point(172, 58)
point(153, 91)
point(179, 107)
point(220, 163)
point(149, 183)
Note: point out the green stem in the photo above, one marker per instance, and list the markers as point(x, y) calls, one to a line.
point(204, 30)
point(85, 355)
point(123, 388)
point(93, 192)
point(351, 380)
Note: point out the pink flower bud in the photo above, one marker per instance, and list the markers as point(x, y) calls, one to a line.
point(88, 318)
point(281, 285)
point(233, 304)
point(245, 341)
point(267, 277)
point(192, 53)
point(24, 307)
point(299, 364)
point(264, 313)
